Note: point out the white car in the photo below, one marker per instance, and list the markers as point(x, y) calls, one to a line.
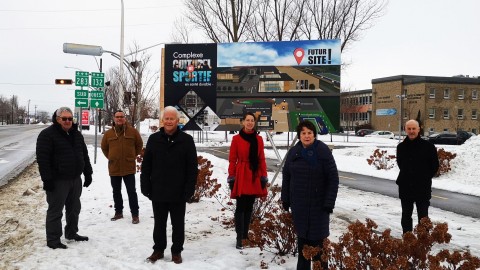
point(381, 134)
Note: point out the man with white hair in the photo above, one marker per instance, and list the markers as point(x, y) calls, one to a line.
point(168, 178)
point(62, 157)
point(418, 163)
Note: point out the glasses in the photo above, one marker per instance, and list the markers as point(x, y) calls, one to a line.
point(64, 119)
point(119, 116)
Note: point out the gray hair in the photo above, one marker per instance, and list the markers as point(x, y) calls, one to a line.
point(63, 109)
point(170, 109)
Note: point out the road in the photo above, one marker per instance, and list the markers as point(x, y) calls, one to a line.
point(17, 149)
point(466, 205)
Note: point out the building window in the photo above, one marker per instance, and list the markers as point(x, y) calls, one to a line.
point(431, 130)
point(431, 113)
point(461, 94)
point(474, 130)
point(460, 114)
point(446, 114)
point(474, 114)
point(405, 114)
point(474, 94)
point(432, 93)
point(446, 93)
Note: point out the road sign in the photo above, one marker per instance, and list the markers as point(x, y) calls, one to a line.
point(81, 93)
point(96, 95)
point(81, 102)
point(96, 103)
point(81, 78)
point(98, 79)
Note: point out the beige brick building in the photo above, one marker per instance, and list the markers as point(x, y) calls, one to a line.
point(441, 103)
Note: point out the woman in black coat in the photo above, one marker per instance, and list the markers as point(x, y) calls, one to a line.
point(309, 188)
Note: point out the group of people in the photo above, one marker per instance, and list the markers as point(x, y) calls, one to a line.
point(309, 185)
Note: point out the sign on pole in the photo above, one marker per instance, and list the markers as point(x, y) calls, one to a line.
point(81, 93)
point(96, 99)
point(98, 79)
point(81, 78)
point(81, 102)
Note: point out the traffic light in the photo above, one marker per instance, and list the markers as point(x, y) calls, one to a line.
point(63, 81)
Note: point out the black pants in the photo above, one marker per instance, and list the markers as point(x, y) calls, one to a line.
point(177, 218)
point(66, 193)
point(129, 181)
point(303, 263)
point(407, 211)
point(243, 215)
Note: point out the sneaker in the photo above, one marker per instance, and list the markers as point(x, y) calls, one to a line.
point(177, 258)
point(57, 245)
point(156, 255)
point(117, 216)
point(135, 220)
point(77, 238)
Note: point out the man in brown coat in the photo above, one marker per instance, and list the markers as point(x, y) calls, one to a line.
point(121, 145)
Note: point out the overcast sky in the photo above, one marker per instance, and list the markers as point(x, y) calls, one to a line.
point(428, 37)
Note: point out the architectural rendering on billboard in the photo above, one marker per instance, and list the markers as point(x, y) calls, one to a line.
point(281, 82)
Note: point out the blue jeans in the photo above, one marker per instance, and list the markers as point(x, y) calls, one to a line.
point(129, 180)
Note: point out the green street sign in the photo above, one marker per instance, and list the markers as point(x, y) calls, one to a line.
point(81, 102)
point(81, 78)
point(81, 93)
point(96, 103)
point(98, 79)
point(96, 95)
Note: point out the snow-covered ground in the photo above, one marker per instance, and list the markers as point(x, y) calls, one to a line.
point(122, 245)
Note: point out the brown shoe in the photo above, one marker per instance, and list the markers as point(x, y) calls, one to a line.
point(156, 255)
point(117, 216)
point(135, 220)
point(177, 258)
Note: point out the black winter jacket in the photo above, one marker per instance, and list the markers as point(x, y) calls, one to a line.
point(169, 167)
point(311, 191)
point(418, 163)
point(62, 155)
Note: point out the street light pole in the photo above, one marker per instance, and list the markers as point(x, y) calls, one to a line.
point(120, 94)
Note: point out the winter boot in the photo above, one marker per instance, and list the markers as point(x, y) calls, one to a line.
point(239, 229)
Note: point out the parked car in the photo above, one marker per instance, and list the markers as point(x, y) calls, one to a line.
point(450, 138)
point(362, 132)
point(381, 134)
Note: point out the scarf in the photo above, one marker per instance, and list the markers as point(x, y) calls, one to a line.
point(253, 151)
point(310, 154)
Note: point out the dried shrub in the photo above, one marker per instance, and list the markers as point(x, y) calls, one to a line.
point(362, 248)
point(153, 128)
point(381, 160)
point(206, 186)
point(444, 158)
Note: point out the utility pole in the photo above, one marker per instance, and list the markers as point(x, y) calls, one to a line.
point(35, 113)
point(28, 112)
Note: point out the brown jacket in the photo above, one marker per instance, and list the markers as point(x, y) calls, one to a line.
point(121, 150)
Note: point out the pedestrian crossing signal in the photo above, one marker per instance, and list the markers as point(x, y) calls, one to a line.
point(63, 81)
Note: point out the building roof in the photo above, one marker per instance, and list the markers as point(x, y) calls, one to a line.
point(412, 79)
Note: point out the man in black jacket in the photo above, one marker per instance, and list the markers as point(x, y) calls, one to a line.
point(168, 178)
point(62, 157)
point(418, 163)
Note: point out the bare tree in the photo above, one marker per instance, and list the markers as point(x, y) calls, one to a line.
point(268, 20)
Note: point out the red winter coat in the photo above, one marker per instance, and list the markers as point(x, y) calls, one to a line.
point(239, 167)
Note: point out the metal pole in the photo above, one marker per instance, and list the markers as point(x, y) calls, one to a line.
point(120, 94)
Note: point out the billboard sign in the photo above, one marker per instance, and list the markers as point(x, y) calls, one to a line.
point(281, 82)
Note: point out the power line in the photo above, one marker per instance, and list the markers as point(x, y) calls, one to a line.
point(84, 10)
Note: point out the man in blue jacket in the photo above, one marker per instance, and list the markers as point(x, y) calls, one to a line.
point(418, 163)
point(62, 157)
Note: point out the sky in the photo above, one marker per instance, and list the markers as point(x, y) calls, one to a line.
point(209, 245)
point(429, 37)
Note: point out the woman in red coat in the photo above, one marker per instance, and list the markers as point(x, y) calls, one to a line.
point(247, 174)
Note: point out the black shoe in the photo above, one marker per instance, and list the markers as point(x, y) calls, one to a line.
point(57, 245)
point(239, 245)
point(77, 238)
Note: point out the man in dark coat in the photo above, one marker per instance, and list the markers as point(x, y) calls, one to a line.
point(168, 178)
point(62, 157)
point(309, 187)
point(418, 163)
